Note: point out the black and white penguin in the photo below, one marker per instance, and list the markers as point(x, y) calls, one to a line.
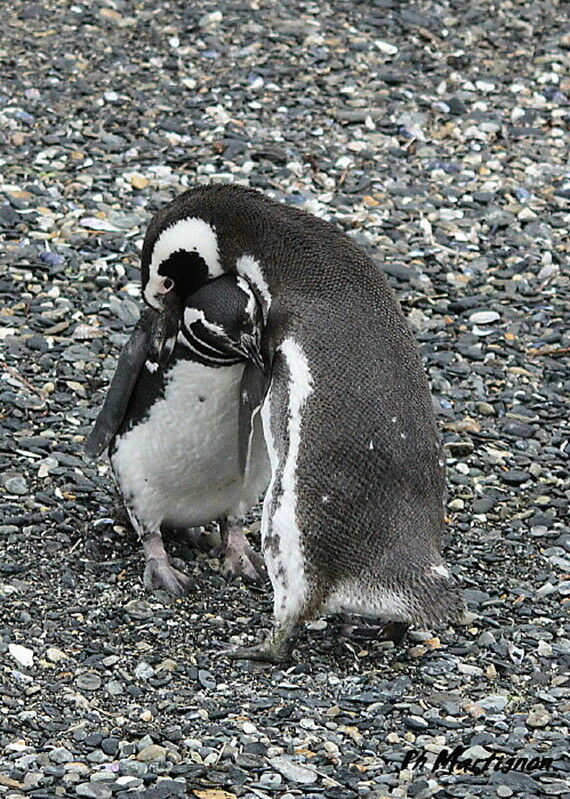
point(172, 427)
point(353, 515)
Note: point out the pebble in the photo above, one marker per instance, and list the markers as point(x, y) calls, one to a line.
point(88, 681)
point(152, 753)
point(22, 654)
point(60, 755)
point(55, 655)
point(93, 790)
point(293, 771)
point(484, 317)
point(493, 703)
point(538, 717)
point(16, 485)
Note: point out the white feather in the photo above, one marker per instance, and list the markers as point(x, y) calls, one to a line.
point(191, 234)
point(252, 271)
point(380, 602)
point(286, 566)
point(180, 465)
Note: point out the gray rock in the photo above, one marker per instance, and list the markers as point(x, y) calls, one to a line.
point(16, 485)
point(88, 681)
point(60, 755)
point(292, 771)
point(538, 717)
point(93, 790)
point(493, 703)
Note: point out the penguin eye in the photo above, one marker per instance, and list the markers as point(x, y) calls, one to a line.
point(168, 283)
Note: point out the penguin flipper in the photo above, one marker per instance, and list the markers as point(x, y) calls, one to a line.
point(131, 361)
point(253, 387)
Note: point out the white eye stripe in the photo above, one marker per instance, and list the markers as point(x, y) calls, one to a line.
point(191, 234)
point(194, 235)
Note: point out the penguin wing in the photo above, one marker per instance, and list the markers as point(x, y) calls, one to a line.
point(131, 361)
point(253, 387)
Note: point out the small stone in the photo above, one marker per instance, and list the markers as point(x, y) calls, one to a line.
point(459, 449)
point(88, 681)
point(466, 668)
point(483, 505)
point(386, 47)
point(476, 752)
point(544, 649)
point(16, 485)
point(138, 609)
point(138, 181)
point(75, 767)
point(167, 665)
point(132, 768)
point(504, 791)
point(485, 408)
point(110, 746)
point(494, 703)
point(206, 679)
point(416, 723)
point(249, 728)
point(60, 755)
point(94, 790)
point(293, 771)
point(8, 782)
point(152, 753)
point(55, 655)
point(211, 19)
point(22, 654)
point(143, 671)
point(538, 717)
point(484, 317)
point(515, 477)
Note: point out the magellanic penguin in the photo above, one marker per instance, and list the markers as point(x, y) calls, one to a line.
point(172, 427)
point(353, 515)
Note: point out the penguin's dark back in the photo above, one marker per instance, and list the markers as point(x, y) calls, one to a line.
point(370, 472)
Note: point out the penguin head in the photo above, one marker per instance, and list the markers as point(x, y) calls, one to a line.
point(229, 315)
point(179, 255)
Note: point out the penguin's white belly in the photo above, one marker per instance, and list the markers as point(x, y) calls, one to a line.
point(180, 464)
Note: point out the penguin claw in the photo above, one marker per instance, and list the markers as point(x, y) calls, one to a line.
point(160, 575)
point(277, 647)
point(244, 562)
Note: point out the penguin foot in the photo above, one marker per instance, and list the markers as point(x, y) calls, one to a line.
point(277, 648)
point(240, 559)
point(160, 574)
point(244, 562)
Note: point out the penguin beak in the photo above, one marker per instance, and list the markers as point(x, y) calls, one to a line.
point(168, 327)
point(249, 346)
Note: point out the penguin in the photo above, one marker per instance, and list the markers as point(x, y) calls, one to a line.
point(352, 518)
point(171, 424)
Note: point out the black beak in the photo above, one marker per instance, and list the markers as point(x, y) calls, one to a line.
point(168, 327)
point(250, 348)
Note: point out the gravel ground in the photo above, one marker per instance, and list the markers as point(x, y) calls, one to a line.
point(436, 135)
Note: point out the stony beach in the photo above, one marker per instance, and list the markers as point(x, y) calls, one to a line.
point(434, 133)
